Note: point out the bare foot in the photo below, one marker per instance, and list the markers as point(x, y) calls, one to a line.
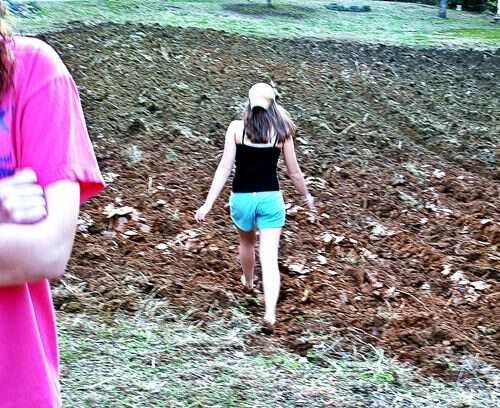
point(269, 318)
point(248, 287)
point(267, 327)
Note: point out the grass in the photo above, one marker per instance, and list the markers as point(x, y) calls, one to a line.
point(144, 361)
point(390, 23)
point(475, 33)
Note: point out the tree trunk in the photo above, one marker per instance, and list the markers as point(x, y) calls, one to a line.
point(443, 7)
point(269, 4)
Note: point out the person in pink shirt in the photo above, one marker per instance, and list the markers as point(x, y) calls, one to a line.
point(47, 169)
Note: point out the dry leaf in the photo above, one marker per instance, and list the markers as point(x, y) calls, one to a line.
point(367, 254)
point(458, 275)
point(84, 222)
point(446, 270)
point(391, 292)
point(293, 210)
point(322, 259)
point(486, 221)
point(110, 177)
point(328, 237)
point(111, 211)
point(480, 285)
point(378, 230)
point(146, 229)
point(317, 183)
point(296, 267)
point(305, 297)
point(438, 174)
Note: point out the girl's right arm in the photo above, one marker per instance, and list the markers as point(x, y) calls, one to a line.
point(294, 172)
point(22, 200)
point(221, 174)
point(31, 252)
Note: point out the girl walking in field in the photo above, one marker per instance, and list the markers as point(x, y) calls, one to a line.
point(255, 144)
point(47, 168)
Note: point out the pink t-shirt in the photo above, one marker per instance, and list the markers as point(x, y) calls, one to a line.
point(41, 127)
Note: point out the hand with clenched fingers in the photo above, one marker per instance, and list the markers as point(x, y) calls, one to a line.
point(22, 200)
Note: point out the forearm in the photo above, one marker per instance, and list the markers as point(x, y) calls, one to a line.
point(217, 186)
point(299, 182)
point(30, 253)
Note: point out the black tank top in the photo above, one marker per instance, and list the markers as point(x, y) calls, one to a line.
point(256, 168)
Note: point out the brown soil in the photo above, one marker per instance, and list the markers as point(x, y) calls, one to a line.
point(375, 123)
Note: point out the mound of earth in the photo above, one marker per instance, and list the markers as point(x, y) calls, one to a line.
point(400, 147)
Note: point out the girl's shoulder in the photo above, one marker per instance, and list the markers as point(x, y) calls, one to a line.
point(235, 130)
point(236, 124)
point(32, 51)
point(36, 64)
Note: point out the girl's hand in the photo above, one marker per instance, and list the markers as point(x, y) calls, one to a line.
point(22, 200)
point(202, 212)
point(309, 201)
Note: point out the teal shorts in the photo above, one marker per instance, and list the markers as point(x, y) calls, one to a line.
point(260, 210)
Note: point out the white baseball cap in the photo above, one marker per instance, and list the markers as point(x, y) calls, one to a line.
point(261, 95)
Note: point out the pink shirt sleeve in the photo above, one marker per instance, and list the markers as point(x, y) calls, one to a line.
point(54, 141)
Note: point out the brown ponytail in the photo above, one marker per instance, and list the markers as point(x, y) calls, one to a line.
point(6, 60)
point(262, 125)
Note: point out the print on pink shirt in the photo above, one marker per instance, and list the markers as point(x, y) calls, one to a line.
point(3, 125)
point(7, 164)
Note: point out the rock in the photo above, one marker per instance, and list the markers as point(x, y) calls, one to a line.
point(398, 180)
point(352, 8)
point(134, 154)
point(137, 126)
point(72, 307)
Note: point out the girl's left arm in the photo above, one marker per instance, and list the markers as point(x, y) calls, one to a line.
point(222, 173)
point(54, 143)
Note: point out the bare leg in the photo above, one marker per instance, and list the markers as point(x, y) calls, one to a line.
point(269, 246)
point(247, 256)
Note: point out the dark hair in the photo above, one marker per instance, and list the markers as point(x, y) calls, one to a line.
point(6, 60)
point(262, 125)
